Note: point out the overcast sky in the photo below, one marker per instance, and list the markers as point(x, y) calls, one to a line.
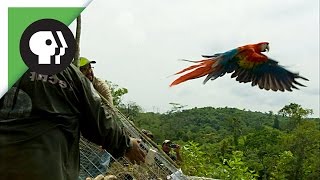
point(137, 44)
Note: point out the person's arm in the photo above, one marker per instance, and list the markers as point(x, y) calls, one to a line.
point(135, 153)
point(98, 126)
point(177, 150)
point(103, 88)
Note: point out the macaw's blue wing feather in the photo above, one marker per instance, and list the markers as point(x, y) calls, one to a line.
point(219, 69)
point(224, 63)
point(269, 75)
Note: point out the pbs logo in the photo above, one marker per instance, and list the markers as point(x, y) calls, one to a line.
point(47, 46)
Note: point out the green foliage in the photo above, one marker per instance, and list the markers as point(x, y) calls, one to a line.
point(295, 112)
point(236, 130)
point(204, 125)
point(152, 122)
point(235, 169)
point(208, 166)
point(229, 143)
point(130, 110)
point(261, 149)
point(284, 166)
point(304, 143)
point(191, 153)
point(276, 123)
point(117, 93)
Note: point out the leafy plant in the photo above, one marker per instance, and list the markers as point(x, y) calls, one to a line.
point(235, 169)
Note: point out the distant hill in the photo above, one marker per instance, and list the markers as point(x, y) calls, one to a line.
point(228, 142)
point(208, 124)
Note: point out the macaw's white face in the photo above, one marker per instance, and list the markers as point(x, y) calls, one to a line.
point(264, 47)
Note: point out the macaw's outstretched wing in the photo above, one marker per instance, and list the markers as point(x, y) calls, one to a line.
point(269, 75)
point(215, 66)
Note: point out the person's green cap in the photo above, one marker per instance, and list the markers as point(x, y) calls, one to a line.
point(84, 61)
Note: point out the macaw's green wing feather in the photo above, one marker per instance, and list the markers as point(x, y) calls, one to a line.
point(269, 75)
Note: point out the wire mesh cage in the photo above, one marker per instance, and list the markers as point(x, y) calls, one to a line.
point(94, 160)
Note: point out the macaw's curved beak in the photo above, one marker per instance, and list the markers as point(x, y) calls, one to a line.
point(267, 48)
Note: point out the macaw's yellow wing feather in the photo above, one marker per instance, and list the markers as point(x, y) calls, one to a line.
point(203, 68)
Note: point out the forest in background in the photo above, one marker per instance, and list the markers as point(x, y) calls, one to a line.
point(230, 143)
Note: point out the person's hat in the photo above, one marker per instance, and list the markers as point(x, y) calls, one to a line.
point(166, 142)
point(147, 133)
point(144, 131)
point(84, 61)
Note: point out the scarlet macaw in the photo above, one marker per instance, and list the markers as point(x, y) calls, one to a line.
point(247, 64)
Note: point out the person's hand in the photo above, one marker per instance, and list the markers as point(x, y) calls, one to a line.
point(177, 148)
point(135, 153)
point(101, 177)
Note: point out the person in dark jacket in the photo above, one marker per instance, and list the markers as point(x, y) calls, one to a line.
point(41, 119)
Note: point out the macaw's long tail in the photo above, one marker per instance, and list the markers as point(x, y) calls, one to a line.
point(204, 67)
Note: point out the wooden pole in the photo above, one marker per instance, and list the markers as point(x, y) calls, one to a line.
point(78, 33)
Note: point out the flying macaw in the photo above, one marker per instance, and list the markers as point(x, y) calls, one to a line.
point(247, 64)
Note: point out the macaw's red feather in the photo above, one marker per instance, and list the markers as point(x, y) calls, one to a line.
point(202, 69)
point(190, 67)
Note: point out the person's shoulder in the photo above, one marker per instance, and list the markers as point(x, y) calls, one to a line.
point(74, 75)
point(71, 70)
point(99, 82)
point(76, 70)
point(96, 79)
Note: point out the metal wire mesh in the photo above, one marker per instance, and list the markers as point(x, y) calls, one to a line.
point(95, 161)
